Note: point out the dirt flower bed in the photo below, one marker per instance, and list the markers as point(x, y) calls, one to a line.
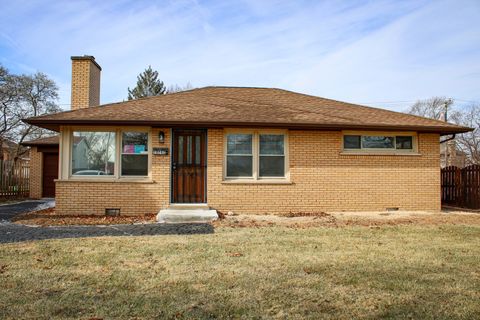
point(336, 220)
point(48, 217)
point(300, 220)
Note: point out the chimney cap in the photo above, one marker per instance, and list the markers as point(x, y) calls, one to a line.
point(87, 57)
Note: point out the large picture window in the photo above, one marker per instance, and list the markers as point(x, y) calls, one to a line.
point(115, 154)
point(134, 154)
point(255, 155)
point(93, 153)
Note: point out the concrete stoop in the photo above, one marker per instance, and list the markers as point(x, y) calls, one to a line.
point(187, 213)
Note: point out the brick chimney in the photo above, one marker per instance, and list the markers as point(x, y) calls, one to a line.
point(85, 82)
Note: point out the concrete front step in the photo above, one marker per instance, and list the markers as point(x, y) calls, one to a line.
point(188, 206)
point(186, 214)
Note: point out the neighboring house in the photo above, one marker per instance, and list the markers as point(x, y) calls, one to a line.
point(10, 150)
point(451, 155)
point(43, 166)
point(247, 150)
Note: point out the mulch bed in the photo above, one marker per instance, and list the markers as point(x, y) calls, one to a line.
point(48, 217)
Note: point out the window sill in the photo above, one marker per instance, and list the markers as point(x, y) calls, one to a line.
point(107, 180)
point(380, 153)
point(265, 181)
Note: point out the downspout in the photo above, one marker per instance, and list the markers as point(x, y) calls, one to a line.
point(446, 148)
point(448, 139)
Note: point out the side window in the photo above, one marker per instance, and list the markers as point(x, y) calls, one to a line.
point(134, 156)
point(378, 142)
point(404, 142)
point(351, 142)
point(272, 155)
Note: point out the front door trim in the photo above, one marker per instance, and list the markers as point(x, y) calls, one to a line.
point(174, 133)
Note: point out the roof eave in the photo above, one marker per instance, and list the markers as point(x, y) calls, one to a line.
point(55, 125)
point(33, 144)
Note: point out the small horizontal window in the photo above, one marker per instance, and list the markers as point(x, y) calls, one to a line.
point(380, 142)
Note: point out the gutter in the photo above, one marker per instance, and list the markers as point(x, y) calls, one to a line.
point(55, 125)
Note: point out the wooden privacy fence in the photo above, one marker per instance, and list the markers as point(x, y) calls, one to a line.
point(461, 187)
point(14, 179)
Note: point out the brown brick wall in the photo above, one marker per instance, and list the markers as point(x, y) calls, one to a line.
point(324, 180)
point(131, 197)
point(85, 84)
point(36, 161)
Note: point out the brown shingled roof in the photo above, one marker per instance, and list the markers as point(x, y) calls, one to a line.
point(47, 141)
point(244, 107)
point(54, 140)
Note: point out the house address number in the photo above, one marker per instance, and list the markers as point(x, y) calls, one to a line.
point(160, 151)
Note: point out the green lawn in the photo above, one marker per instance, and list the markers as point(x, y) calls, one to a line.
point(420, 272)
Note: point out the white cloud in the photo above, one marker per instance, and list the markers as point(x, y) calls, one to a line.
point(376, 51)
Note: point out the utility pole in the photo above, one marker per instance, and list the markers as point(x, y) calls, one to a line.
point(445, 118)
point(447, 103)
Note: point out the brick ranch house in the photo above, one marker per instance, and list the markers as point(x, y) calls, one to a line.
point(246, 150)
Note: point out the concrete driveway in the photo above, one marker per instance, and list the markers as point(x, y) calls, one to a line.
point(8, 211)
point(11, 232)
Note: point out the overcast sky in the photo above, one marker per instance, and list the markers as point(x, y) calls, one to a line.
point(379, 53)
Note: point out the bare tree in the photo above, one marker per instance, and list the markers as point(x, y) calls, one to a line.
point(9, 99)
point(433, 108)
point(176, 88)
point(469, 142)
point(24, 96)
point(468, 116)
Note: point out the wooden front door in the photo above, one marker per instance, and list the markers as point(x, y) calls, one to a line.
point(189, 166)
point(50, 173)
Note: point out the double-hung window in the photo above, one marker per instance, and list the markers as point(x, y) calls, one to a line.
point(272, 155)
point(239, 155)
point(255, 155)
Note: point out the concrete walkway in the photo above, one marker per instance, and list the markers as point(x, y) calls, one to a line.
point(8, 211)
point(10, 232)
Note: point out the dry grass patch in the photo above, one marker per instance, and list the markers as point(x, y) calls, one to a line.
point(404, 271)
